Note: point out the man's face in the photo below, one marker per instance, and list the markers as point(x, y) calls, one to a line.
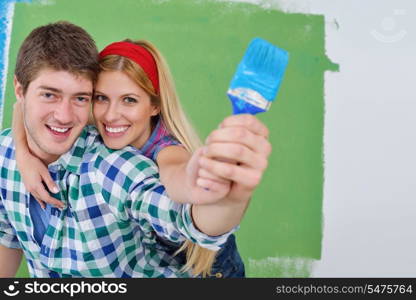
point(55, 109)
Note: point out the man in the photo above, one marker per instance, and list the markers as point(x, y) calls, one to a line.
point(115, 205)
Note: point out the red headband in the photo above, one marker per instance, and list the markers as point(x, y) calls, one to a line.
point(139, 55)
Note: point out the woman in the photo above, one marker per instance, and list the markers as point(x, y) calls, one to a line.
point(135, 103)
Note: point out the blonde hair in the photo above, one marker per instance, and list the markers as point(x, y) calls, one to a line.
point(198, 259)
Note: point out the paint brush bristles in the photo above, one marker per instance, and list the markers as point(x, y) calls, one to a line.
point(258, 77)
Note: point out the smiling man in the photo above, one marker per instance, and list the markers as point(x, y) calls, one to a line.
point(55, 109)
point(54, 82)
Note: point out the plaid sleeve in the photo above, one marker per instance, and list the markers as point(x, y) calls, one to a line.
point(8, 236)
point(170, 220)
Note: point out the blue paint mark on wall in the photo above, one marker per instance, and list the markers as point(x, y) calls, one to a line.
point(6, 9)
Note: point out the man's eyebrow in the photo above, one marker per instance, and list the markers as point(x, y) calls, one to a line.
point(52, 89)
point(83, 94)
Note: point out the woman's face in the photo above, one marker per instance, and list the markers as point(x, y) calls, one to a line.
point(122, 110)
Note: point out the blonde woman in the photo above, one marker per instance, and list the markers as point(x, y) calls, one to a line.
point(135, 103)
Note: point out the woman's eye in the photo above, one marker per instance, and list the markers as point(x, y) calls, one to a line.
point(130, 100)
point(100, 98)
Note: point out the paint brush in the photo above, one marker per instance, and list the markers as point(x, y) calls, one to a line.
point(258, 77)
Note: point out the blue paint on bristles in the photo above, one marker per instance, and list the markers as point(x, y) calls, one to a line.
point(258, 77)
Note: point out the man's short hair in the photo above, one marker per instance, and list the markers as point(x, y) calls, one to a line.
point(61, 46)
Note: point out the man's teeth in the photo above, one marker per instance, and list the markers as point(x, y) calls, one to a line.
point(62, 130)
point(116, 129)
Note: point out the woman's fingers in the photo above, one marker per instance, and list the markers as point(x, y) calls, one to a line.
point(242, 136)
point(41, 203)
point(213, 186)
point(43, 195)
point(248, 177)
point(205, 174)
point(47, 179)
point(247, 121)
point(237, 154)
point(211, 182)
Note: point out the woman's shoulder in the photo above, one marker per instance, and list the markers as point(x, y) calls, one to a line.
point(159, 139)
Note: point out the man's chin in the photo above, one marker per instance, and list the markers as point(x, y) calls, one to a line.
point(55, 148)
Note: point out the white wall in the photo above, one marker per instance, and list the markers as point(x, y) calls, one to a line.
point(370, 137)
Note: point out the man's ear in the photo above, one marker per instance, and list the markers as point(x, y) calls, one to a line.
point(18, 89)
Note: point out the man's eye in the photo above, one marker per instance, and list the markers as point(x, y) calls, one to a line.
point(48, 95)
point(130, 100)
point(82, 99)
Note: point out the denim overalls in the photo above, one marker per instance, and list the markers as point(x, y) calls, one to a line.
point(228, 263)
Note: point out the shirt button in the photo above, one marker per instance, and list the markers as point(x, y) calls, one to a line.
point(218, 275)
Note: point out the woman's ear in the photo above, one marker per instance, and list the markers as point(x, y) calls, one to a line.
point(155, 111)
point(18, 89)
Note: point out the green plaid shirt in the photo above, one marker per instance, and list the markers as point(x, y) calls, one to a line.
point(116, 212)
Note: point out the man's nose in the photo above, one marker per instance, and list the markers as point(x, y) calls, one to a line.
point(64, 112)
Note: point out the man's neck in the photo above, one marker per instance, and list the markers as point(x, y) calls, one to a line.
point(46, 158)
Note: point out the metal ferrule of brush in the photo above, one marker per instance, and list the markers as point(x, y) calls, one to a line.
point(250, 96)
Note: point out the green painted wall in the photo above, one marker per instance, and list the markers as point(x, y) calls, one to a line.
point(203, 41)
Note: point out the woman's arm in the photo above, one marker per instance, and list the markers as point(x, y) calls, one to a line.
point(242, 139)
point(32, 169)
point(180, 174)
point(237, 152)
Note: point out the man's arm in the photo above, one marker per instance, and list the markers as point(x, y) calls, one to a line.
point(10, 260)
point(149, 205)
point(10, 251)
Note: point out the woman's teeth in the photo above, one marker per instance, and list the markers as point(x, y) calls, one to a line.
point(116, 129)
